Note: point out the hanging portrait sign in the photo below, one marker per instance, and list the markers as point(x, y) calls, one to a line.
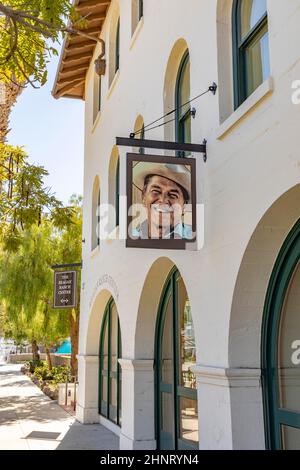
point(161, 198)
point(65, 289)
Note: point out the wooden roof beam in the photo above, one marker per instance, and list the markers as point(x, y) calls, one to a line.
point(90, 31)
point(73, 79)
point(96, 17)
point(68, 66)
point(83, 56)
point(80, 45)
point(65, 77)
point(78, 39)
point(74, 68)
point(63, 91)
point(89, 4)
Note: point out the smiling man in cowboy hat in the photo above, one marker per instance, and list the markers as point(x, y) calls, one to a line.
point(165, 190)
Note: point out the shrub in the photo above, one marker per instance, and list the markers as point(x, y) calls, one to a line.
point(34, 364)
point(56, 375)
point(43, 373)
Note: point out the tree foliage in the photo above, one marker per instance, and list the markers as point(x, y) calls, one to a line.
point(26, 282)
point(24, 199)
point(29, 32)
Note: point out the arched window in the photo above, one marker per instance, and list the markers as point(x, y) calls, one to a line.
point(114, 190)
point(109, 368)
point(175, 356)
point(117, 56)
point(117, 204)
point(142, 137)
point(141, 9)
point(114, 46)
point(97, 96)
point(281, 348)
point(139, 131)
point(96, 214)
point(137, 13)
point(250, 47)
point(183, 113)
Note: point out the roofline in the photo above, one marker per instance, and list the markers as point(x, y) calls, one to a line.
point(64, 55)
point(74, 3)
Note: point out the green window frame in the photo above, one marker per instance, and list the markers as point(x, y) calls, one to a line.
point(106, 374)
point(284, 268)
point(96, 96)
point(246, 78)
point(142, 137)
point(98, 217)
point(117, 202)
point(182, 117)
point(117, 51)
point(100, 97)
point(141, 9)
point(176, 390)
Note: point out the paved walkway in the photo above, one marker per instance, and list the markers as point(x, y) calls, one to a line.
point(30, 420)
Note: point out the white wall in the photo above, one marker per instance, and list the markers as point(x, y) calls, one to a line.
point(253, 159)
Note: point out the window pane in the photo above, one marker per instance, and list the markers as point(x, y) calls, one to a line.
point(251, 12)
point(290, 438)
point(289, 347)
point(113, 400)
point(97, 96)
point(188, 420)
point(104, 389)
point(167, 346)
point(120, 397)
point(187, 338)
point(141, 9)
point(184, 88)
point(118, 193)
point(114, 338)
point(257, 62)
point(186, 129)
point(105, 348)
point(117, 58)
point(167, 409)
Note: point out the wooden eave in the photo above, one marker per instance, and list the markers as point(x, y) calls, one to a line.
point(77, 51)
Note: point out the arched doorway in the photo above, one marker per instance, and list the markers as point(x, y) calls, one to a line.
point(175, 354)
point(281, 348)
point(109, 369)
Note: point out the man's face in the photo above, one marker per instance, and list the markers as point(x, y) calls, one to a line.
point(164, 202)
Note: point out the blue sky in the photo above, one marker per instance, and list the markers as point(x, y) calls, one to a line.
point(52, 132)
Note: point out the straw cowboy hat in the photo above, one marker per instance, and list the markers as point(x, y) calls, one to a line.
point(177, 173)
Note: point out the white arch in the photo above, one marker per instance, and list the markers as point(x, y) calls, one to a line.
point(176, 55)
point(244, 342)
point(149, 306)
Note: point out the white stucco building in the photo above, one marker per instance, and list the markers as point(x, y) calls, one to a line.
point(183, 349)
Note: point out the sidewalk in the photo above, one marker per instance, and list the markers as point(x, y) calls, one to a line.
point(29, 420)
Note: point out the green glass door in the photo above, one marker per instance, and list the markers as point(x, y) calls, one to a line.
point(176, 397)
point(281, 351)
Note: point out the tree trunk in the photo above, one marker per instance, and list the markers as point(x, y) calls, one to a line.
point(35, 350)
point(49, 360)
point(74, 330)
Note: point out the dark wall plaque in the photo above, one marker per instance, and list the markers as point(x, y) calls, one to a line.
point(65, 289)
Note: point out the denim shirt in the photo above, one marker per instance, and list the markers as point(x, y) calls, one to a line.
point(181, 231)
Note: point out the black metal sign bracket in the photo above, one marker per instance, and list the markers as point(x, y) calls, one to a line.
point(163, 145)
point(72, 265)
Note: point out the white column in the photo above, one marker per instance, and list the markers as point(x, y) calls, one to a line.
point(138, 429)
point(87, 395)
point(230, 408)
